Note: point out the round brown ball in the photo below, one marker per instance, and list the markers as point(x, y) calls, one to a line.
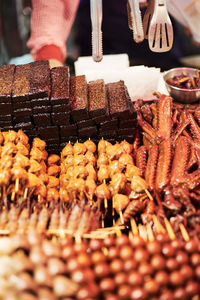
point(172, 264)
point(145, 269)
point(116, 265)
point(137, 241)
point(162, 278)
point(154, 247)
point(101, 269)
point(182, 257)
point(168, 250)
point(97, 256)
point(126, 252)
point(121, 278)
point(151, 287)
point(138, 293)
point(192, 288)
point(124, 291)
point(107, 284)
point(95, 244)
point(141, 255)
point(176, 278)
point(135, 278)
point(186, 271)
point(130, 264)
point(195, 259)
point(191, 246)
point(158, 262)
point(113, 252)
point(180, 294)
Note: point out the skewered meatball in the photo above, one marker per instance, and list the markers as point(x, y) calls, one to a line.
point(131, 171)
point(90, 158)
point(102, 146)
point(90, 187)
point(52, 195)
point(10, 136)
point(138, 184)
point(67, 150)
point(22, 160)
point(126, 159)
point(36, 154)
point(92, 174)
point(54, 170)
point(33, 180)
point(35, 167)
point(80, 172)
point(53, 182)
point(5, 177)
point(8, 149)
point(80, 160)
point(18, 172)
point(23, 149)
point(114, 151)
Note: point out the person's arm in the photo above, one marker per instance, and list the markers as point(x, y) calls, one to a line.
point(51, 23)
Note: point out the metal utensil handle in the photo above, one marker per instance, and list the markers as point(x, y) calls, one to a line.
point(96, 19)
point(138, 33)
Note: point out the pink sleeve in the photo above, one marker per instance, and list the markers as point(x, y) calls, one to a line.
point(51, 23)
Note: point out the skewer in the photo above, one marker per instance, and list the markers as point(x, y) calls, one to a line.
point(142, 232)
point(148, 194)
point(184, 232)
point(113, 211)
point(121, 217)
point(159, 227)
point(169, 228)
point(17, 185)
point(102, 221)
point(25, 193)
point(105, 251)
point(13, 196)
point(150, 233)
point(77, 238)
point(134, 227)
point(105, 199)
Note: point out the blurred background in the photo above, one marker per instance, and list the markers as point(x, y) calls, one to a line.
point(15, 18)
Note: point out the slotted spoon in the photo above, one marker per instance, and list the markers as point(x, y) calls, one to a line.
point(160, 34)
point(147, 17)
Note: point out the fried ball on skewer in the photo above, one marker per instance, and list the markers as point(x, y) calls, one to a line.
point(102, 146)
point(23, 149)
point(90, 157)
point(53, 170)
point(35, 166)
point(138, 184)
point(90, 188)
point(92, 174)
point(131, 171)
point(80, 172)
point(22, 137)
point(103, 192)
point(64, 197)
point(36, 154)
point(10, 136)
point(8, 149)
point(126, 159)
point(115, 166)
point(102, 159)
point(5, 176)
point(120, 202)
point(52, 195)
point(114, 151)
point(118, 182)
point(67, 150)
point(53, 182)
point(21, 160)
point(80, 160)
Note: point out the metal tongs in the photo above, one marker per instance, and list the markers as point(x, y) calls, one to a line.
point(135, 20)
point(96, 19)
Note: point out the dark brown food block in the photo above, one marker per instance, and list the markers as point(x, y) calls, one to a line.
point(6, 128)
point(119, 100)
point(48, 132)
point(78, 98)
point(132, 123)
point(108, 134)
point(70, 130)
point(61, 108)
point(6, 80)
point(39, 79)
point(5, 108)
point(40, 102)
point(22, 112)
point(42, 120)
point(67, 139)
point(21, 105)
point(85, 123)
point(31, 132)
point(87, 132)
point(42, 109)
point(125, 131)
point(97, 99)
point(5, 124)
point(60, 118)
point(52, 141)
point(5, 117)
point(21, 83)
point(24, 125)
point(60, 85)
point(100, 119)
point(112, 124)
point(22, 119)
point(128, 138)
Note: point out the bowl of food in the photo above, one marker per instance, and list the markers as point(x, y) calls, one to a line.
point(183, 84)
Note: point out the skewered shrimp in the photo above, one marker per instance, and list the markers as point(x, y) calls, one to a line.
point(21, 160)
point(102, 146)
point(54, 170)
point(103, 192)
point(80, 160)
point(120, 202)
point(127, 148)
point(38, 143)
point(131, 171)
point(80, 172)
point(67, 150)
point(23, 149)
point(115, 166)
point(8, 149)
point(103, 173)
point(53, 159)
point(126, 159)
point(102, 160)
point(35, 167)
point(92, 174)
point(118, 182)
point(22, 137)
point(36, 154)
point(90, 157)
point(79, 148)
point(138, 184)
point(90, 146)
point(114, 151)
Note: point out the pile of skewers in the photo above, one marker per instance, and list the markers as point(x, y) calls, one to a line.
point(143, 265)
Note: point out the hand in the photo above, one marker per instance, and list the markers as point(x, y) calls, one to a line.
point(55, 63)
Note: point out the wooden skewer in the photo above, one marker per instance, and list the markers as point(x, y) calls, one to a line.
point(184, 232)
point(110, 228)
point(134, 227)
point(102, 221)
point(150, 233)
point(169, 229)
point(121, 217)
point(142, 232)
point(118, 232)
point(105, 251)
point(159, 227)
point(148, 194)
point(105, 203)
point(17, 185)
point(77, 238)
point(113, 211)
point(13, 196)
point(25, 193)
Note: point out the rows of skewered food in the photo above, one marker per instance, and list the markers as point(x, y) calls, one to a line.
point(118, 267)
point(104, 177)
point(107, 177)
point(168, 157)
point(72, 220)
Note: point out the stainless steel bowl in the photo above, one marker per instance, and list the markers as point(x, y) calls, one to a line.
point(179, 94)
